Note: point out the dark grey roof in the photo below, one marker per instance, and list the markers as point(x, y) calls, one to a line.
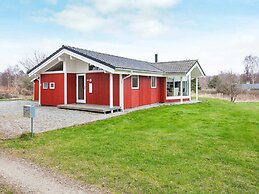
point(117, 62)
point(175, 66)
point(250, 86)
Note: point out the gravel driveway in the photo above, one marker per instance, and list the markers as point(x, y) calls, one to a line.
point(12, 122)
point(25, 177)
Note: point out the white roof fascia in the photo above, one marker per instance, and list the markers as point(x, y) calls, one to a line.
point(82, 58)
point(90, 61)
point(198, 66)
point(137, 72)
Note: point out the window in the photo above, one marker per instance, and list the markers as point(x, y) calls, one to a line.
point(135, 82)
point(169, 87)
point(177, 85)
point(45, 85)
point(52, 85)
point(185, 88)
point(173, 87)
point(153, 82)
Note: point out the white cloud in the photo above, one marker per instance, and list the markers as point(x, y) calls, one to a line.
point(82, 19)
point(142, 18)
point(114, 5)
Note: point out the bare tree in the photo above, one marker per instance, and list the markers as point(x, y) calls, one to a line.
point(30, 62)
point(229, 85)
point(251, 64)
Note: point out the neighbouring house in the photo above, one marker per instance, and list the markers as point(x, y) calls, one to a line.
point(74, 75)
point(249, 87)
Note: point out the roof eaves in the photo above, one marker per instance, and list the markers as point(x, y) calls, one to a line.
point(89, 57)
point(135, 69)
point(196, 61)
point(57, 51)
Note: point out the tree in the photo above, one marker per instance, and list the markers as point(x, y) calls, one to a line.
point(251, 64)
point(214, 81)
point(229, 85)
point(193, 85)
point(30, 62)
point(11, 77)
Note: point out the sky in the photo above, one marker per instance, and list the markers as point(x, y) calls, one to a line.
point(217, 33)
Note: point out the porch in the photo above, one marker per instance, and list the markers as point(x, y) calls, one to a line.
point(90, 108)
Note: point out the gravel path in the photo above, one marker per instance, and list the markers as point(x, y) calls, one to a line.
point(25, 177)
point(12, 122)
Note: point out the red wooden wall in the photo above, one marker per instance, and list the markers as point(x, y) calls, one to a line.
point(142, 96)
point(55, 96)
point(163, 92)
point(71, 88)
point(36, 90)
point(100, 89)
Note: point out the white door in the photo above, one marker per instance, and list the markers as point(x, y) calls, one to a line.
point(80, 88)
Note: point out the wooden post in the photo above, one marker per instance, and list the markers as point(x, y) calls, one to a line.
point(181, 89)
point(65, 81)
point(121, 91)
point(197, 89)
point(190, 87)
point(111, 91)
point(39, 89)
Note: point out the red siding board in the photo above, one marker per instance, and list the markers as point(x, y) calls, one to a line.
point(100, 90)
point(52, 97)
point(100, 86)
point(71, 88)
point(36, 90)
point(142, 96)
point(116, 90)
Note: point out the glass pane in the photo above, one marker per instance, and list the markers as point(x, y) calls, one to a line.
point(153, 80)
point(135, 81)
point(185, 88)
point(177, 86)
point(80, 87)
point(169, 87)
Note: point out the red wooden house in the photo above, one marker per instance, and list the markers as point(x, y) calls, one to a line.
point(73, 75)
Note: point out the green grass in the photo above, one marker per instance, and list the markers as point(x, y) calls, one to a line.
point(5, 189)
point(210, 147)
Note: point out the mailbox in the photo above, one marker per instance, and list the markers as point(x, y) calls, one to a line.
point(29, 111)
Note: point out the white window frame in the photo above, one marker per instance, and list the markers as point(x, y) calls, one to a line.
point(174, 97)
point(155, 81)
point(52, 85)
point(79, 100)
point(134, 88)
point(45, 85)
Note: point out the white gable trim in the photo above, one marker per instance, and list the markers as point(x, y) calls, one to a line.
point(198, 66)
point(64, 51)
point(34, 79)
point(92, 62)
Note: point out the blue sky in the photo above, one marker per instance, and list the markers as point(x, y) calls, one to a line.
point(218, 33)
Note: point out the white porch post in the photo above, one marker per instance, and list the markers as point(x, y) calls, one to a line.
point(197, 88)
point(65, 81)
point(190, 87)
point(40, 89)
point(111, 91)
point(121, 91)
point(181, 89)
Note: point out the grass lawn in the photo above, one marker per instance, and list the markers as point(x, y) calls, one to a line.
point(5, 189)
point(210, 147)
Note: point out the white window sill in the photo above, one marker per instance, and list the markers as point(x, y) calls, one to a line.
point(176, 97)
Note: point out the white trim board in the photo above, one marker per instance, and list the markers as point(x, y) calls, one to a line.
point(77, 100)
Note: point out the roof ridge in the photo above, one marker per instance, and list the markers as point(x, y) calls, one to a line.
point(176, 61)
point(64, 46)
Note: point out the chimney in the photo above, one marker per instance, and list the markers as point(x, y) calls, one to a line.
point(156, 58)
